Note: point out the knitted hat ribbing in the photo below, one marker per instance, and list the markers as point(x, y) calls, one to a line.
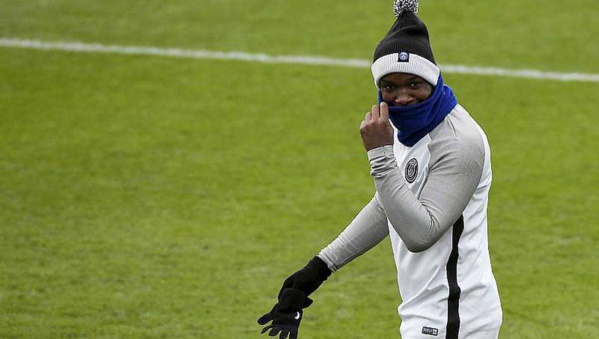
point(406, 47)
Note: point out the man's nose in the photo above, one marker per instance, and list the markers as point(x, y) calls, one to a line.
point(403, 98)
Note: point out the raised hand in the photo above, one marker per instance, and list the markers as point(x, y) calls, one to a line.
point(376, 129)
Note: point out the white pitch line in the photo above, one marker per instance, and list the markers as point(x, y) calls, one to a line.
point(264, 58)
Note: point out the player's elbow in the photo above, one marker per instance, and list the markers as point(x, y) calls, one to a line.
point(416, 247)
point(421, 242)
point(416, 240)
point(420, 237)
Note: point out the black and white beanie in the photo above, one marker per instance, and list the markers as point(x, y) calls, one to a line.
point(406, 47)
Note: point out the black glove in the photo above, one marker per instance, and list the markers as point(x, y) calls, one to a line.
point(308, 279)
point(286, 315)
point(293, 298)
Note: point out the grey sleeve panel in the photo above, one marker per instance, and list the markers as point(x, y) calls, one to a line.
point(455, 169)
point(367, 229)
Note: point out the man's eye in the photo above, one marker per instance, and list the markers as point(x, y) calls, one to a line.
point(415, 84)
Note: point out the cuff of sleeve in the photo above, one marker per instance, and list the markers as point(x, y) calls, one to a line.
point(383, 151)
point(327, 258)
point(382, 160)
point(320, 267)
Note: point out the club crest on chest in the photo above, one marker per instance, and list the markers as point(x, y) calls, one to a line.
point(411, 171)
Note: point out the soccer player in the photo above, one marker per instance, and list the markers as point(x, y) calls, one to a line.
point(432, 172)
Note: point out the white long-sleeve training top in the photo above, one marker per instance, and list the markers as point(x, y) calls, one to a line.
point(431, 199)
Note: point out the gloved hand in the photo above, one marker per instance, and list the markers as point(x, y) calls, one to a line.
point(286, 315)
point(309, 278)
point(293, 298)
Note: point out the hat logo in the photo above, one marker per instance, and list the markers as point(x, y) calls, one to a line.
point(411, 170)
point(404, 57)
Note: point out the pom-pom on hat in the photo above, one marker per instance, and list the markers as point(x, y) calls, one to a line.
point(406, 47)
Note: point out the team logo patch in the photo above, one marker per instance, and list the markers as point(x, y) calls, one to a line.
point(411, 170)
point(403, 57)
point(430, 331)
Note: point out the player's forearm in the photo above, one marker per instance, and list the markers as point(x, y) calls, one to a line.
point(367, 229)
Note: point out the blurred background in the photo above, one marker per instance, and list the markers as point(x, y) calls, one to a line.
point(151, 196)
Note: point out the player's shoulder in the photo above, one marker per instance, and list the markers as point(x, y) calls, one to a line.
point(458, 133)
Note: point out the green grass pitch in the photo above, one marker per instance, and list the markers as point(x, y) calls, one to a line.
point(153, 197)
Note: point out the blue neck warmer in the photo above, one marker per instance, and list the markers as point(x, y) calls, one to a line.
point(415, 121)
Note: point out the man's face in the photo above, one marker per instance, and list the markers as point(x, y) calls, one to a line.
point(403, 89)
